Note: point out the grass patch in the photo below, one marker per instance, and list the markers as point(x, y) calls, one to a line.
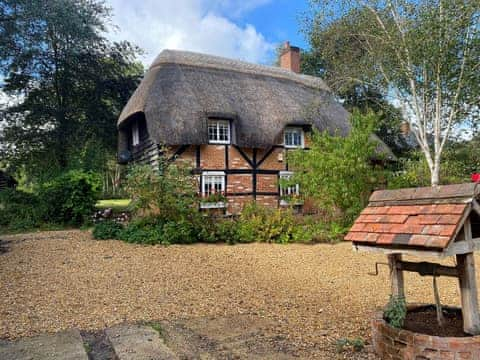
point(157, 327)
point(115, 204)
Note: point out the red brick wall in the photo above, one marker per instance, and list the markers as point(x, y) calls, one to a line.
point(398, 344)
point(239, 183)
point(236, 160)
point(188, 156)
point(267, 183)
point(212, 157)
point(267, 200)
point(236, 203)
point(272, 161)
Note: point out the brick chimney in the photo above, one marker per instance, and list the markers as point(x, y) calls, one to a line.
point(290, 58)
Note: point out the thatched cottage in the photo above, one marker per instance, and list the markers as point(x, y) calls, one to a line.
point(234, 121)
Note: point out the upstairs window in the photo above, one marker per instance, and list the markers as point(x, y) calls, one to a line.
point(293, 137)
point(290, 189)
point(213, 182)
point(218, 131)
point(135, 134)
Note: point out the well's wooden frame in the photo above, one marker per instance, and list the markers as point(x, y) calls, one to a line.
point(462, 247)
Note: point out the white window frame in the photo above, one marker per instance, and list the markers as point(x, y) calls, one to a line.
point(207, 174)
point(293, 129)
point(218, 123)
point(135, 134)
point(286, 175)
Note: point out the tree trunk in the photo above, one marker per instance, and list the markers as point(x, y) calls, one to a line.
point(435, 175)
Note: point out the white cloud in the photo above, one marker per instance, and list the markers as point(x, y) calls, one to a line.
point(195, 25)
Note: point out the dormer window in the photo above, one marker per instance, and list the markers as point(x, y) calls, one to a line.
point(135, 134)
point(218, 131)
point(293, 137)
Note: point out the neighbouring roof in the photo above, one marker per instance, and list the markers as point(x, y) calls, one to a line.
point(182, 89)
point(421, 218)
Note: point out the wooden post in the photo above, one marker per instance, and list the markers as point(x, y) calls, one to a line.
point(396, 275)
point(468, 293)
point(468, 287)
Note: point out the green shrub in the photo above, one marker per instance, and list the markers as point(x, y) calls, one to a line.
point(263, 224)
point(396, 311)
point(105, 230)
point(19, 210)
point(356, 344)
point(337, 173)
point(226, 231)
point(169, 194)
point(70, 198)
point(179, 232)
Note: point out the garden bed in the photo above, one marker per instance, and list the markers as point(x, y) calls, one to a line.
point(424, 320)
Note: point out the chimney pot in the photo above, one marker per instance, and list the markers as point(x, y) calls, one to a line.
point(290, 58)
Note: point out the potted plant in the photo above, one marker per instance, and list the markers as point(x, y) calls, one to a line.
point(214, 200)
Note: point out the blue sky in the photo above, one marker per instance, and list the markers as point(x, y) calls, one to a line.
point(242, 29)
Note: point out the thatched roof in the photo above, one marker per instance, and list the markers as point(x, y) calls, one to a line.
point(181, 90)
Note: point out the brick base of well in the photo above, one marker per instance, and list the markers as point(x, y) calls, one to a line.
point(399, 344)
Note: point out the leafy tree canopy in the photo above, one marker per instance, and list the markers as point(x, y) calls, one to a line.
point(68, 81)
point(421, 54)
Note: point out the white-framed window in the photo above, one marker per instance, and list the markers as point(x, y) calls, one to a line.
point(213, 182)
point(135, 134)
point(293, 137)
point(290, 190)
point(218, 131)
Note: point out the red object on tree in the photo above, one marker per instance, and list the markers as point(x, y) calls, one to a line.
point(476, 177)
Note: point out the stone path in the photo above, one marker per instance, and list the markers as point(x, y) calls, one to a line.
point(235, 337)
point(64, 345)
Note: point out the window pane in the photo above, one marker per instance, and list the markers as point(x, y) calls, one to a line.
point(293, 137)
point(219, 131)
point(213, 184)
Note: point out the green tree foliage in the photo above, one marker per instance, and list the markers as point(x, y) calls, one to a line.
point(70, 198)
point(170, 193)
point(337, 171)
point(69, 84)
point(423, 54)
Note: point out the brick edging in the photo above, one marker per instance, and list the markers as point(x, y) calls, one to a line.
point(399, 344)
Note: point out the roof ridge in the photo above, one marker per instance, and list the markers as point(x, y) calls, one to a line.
point(191, 58)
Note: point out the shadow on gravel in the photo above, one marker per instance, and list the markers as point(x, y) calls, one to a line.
point(4, 246)
point(97, 345)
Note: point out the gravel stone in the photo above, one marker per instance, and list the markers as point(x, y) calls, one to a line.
point(313, 294)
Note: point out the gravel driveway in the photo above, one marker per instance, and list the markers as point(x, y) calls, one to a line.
point(312, 294)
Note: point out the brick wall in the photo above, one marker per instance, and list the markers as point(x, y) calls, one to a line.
point(212, 157)
point(267, 183)
point(272, 163)
point(239, 183)
point(398, 344)
point(267, 200)
point(236, 203)
point(236, 160)
point(189, 156)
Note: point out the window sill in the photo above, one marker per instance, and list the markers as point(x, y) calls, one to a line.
point(289, 203)
point(212, 205)
point(212, 142)
point(294, 146)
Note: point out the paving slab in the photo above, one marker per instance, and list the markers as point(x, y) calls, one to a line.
point(67, 345)
point(138, 342)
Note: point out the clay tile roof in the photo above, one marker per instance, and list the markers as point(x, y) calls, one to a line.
point(427, 218)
